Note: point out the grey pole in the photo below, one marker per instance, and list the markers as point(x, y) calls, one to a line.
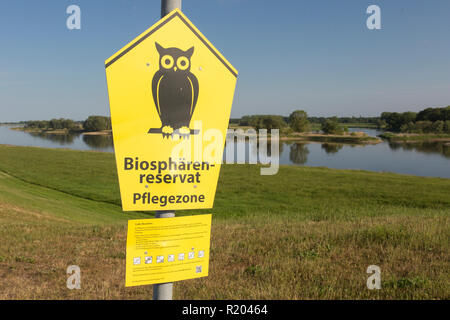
point(163, 291)
point(168, 5)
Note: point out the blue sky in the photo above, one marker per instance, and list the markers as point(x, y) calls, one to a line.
point(312, 55)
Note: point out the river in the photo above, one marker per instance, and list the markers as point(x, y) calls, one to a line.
point(422, 158)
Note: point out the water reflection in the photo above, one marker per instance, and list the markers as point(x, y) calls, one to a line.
point(269, 148)
point(331, 148)
point(73, 140)
point(61, 139)
point(298, 153)
point(98, 141)
point(439, 147)
point(259, 152)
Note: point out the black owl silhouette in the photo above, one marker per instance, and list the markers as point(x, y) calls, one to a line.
point(175, 91)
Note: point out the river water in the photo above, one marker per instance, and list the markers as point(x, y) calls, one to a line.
point(421, 159)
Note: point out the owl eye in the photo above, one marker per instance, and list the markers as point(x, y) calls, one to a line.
point(183, 63)
point(167, 61)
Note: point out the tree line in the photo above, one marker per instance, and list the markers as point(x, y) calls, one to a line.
point(92, 123)
point(298, 121)
point(346, 120)
point(429, 120)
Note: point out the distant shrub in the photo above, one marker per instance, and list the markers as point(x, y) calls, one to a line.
point(62, 124)
point(331, 126)
point(447, 126)
point(423, 127)
point(438, 126)
point(55, 124)
point(429, 120)
point(298, 121)
point(394, 120)
point(286, 131)
point(97, 123)
point(263, 122)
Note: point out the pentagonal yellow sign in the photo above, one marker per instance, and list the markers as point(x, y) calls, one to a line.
point(170, 95)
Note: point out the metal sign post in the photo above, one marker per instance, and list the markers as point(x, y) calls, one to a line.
point(164, 291)
point(168, 5)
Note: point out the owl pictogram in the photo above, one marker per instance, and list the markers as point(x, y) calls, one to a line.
point(175, 91)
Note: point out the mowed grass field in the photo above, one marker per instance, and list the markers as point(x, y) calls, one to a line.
point(305, 233)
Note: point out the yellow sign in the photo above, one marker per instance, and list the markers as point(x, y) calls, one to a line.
point(170, 94)
point(167, 250)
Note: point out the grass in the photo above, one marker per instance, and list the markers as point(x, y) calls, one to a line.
point(415, 137)
point(305, 233)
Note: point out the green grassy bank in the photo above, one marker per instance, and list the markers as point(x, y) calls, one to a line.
point(304, 233)
point(413, 137)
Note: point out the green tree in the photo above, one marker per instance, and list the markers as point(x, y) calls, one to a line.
point(423, 127)
point(56, 124)
point(434, 114)
point(271, 122)
point(331, 126)
point(438, 126)
point(381, 124)
point(408, 127)
point(68, 124)
point(264, 122)
point(97, 123)
point(245, 121)
point(395, 120)
point(447, 127)
point(298, 121)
